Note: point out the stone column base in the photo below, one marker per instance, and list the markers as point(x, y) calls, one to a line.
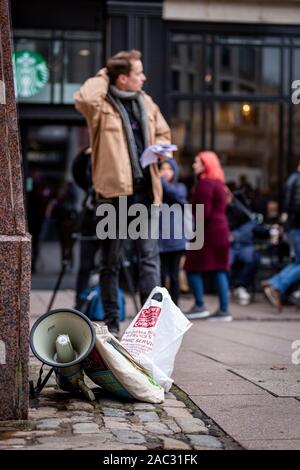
point(15, 275)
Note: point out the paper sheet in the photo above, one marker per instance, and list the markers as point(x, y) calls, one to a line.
point(150, 154)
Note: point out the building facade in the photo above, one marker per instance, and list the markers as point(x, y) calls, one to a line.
point(222, 73)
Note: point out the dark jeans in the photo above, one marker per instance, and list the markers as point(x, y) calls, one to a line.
point(148, 259)
point(109, 279)
point(222, 285)
point(244, 260)
point(88, 250)
point(283, 280)
point(170, 267)
point(149, 266)
point(147, 251)
point(109, 268)
point(109, 273)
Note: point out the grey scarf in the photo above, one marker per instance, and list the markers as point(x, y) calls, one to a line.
point(116, 96)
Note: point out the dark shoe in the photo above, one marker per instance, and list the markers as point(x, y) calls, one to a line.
point(197, 312)
point(265, 283)
point(274, 297)
point(115, 332)
point(113, 328)
point(220, 316)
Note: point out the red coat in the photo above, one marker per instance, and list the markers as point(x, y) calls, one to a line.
point(214, 256)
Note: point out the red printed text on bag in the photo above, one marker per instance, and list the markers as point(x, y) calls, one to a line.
point(148, 317)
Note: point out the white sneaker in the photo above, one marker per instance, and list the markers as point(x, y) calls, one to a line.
point(242, 296)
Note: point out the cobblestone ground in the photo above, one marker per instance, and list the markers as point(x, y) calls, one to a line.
point(59, 421)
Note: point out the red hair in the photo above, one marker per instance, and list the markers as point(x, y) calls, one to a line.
point(212, 165)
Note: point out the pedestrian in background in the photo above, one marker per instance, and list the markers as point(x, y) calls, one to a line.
point(278, 285)
point(89, 244)
point(171, 248)
point(244, 258)
point(64, 211)
point(211, 191)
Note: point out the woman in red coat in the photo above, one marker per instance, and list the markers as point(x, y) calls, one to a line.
point(211, 191)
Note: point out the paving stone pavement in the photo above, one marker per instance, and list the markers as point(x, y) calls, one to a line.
point(240, 375)
point(61, 421)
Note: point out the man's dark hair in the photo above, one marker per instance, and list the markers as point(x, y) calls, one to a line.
point(121, 63)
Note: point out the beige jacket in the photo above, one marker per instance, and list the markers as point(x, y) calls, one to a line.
point(112, 176)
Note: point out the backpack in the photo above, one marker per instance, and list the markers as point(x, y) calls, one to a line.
point(92, 304)
point(82, 170)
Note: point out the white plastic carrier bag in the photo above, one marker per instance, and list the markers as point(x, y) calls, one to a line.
point(154, 336)
point(115, 370)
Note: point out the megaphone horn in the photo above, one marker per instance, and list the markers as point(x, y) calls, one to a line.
point(62, 339)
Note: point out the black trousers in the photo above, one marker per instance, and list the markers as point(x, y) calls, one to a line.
point(170, 267)
point(109, 273)
point(149, 269)
point(88, 250)
point(109, 268)
point(149, 264)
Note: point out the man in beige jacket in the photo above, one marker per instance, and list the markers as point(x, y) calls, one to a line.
point(123, 120)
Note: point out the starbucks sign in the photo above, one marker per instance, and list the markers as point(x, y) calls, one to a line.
point(31, 73)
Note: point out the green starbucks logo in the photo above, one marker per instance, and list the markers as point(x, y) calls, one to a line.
point(31, 73)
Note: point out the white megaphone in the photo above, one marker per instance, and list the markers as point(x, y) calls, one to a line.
point(62, 339)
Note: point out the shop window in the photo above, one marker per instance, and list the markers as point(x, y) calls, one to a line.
point(81, 60)
point(253, 70)
point(186, 122)
point(247, 66)
point(246, 89)
point(175, 80)
point(247, 140)
point(270, 71)
point(296, 64)
point(253, 127)
point(191, 82)
point(51, 65)
point(249, 40)
point(190, 53)
point(225, 86)
point(32, 70)
point(187, 68)
point(225, 57)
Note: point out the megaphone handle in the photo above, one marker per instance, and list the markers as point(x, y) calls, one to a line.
point(35, 391)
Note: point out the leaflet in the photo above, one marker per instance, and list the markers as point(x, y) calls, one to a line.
point(150, 155)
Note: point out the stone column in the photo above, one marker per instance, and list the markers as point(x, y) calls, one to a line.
point(15, 245)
